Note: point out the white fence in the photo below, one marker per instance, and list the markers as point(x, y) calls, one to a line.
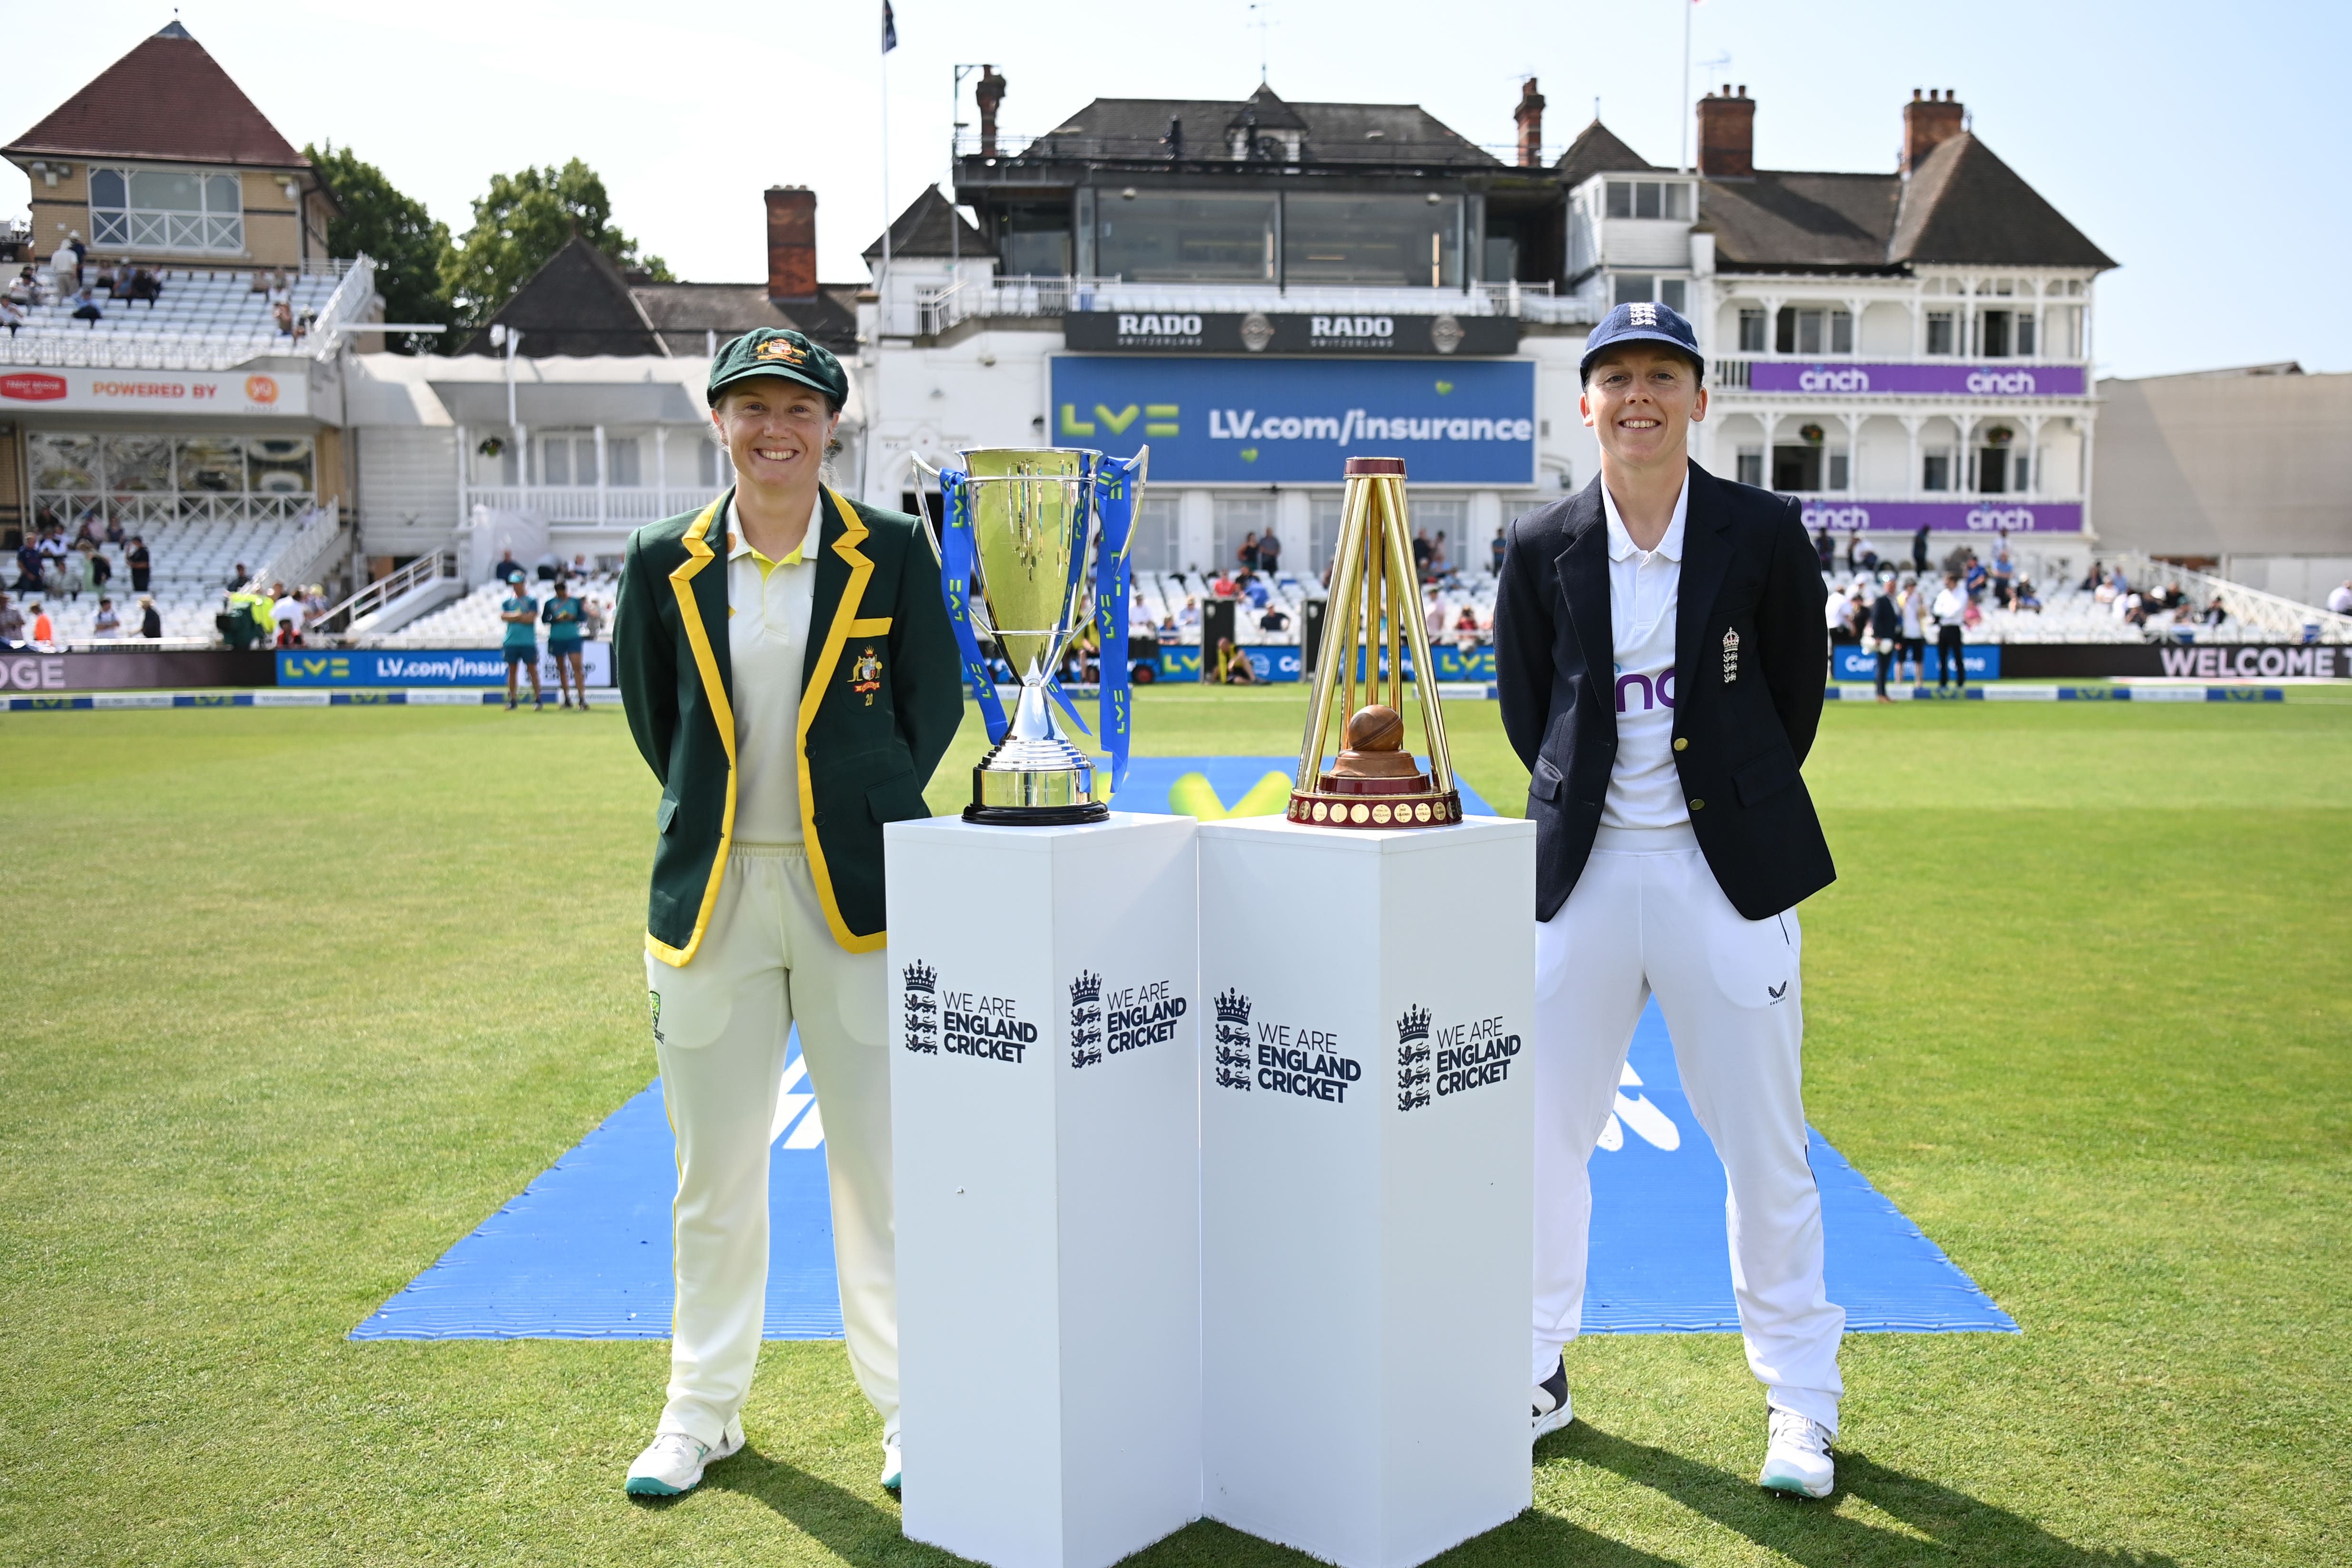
point(614, 506)
point(934, 310)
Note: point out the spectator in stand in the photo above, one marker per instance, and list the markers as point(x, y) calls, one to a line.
point(1167, 628)
point(1465, 631)
point(282, 317)
point(1274, 619)
point(566, 616)
point(286, 615)
point(280, 292)
point(1973, 578)
point(86, 308)
point(73, 574)
point(28, 566)
point(106, 622)
point(520, 611)
point(1837, 615)
point(43, 633)
point(2339, 600)
point(1886, 636)
point(12, 623)
point(101, 566)
point(113, 534)
point(1919, 552)
point(1908, 595)
point(1433, 617)
point(1224, 587)
point(2004, 575)
point(1494, 549)
point(2216, 613)
point(1191, 618)
point(1852, 549)
point(260, 281)
point(314, 606)
point(2026, 601)
point(146, 286)
point(509, 569)
point(550, 566)
point(1269, 554)
point(238, 578)
point(150, 622)
point(581, 574)
point(1420, 553)
point(1950, 605)
point(1247, 554)
point(1439, 564)
point(1824, 546)
point(11, 315)
point(22, 289)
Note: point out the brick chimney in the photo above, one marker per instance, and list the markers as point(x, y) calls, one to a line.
point(1529, 116)
point(988, 95)
point(1726, 134)
point(1927, 123)
point(791, 242)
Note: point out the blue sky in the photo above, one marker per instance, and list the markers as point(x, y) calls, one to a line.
point(2195, 144)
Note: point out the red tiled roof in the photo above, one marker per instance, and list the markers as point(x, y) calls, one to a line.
point(166, 99)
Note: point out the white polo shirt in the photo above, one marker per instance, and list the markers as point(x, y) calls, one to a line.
point(768, 610)
point(1643, 587)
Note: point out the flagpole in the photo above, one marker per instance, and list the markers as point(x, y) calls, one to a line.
point(1682, 110)
point(884, 290)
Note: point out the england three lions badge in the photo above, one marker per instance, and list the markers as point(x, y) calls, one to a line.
point(1730, 656)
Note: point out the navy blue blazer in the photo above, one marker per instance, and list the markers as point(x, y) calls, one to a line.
point(1747, 568)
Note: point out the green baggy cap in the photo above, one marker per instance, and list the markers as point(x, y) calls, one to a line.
point(775, 351)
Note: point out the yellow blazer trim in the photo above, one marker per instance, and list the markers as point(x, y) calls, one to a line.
point(698, 554)
point(846, 624)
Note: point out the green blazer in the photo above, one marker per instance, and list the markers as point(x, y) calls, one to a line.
point(881, 696)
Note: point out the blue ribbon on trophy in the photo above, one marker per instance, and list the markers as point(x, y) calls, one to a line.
point(1118, 486)
point(956, 556)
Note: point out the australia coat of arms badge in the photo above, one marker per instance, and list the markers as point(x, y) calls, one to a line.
point(866, 676)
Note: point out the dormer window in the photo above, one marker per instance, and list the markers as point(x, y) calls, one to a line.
point(166, 209)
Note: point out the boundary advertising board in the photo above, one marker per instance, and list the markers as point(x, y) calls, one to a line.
point(427, 666)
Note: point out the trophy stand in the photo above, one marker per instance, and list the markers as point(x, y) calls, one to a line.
point(1367, 1171)
point(1045, 1156)
point(1373, 618)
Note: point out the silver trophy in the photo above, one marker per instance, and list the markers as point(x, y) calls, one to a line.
point(1034, 536)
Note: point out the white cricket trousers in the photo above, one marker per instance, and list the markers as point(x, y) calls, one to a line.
point(769, 960)
point(1647, 915)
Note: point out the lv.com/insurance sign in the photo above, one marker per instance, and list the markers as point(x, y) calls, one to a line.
point(1294, 421)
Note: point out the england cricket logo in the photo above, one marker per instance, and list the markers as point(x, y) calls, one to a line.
point(919, 1008)
point(1412, 1059)
point(1232, 1041)
point(1085, 1020)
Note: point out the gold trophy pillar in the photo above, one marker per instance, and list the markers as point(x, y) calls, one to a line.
point(1373, 616)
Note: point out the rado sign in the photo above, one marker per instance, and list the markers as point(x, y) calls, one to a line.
point(1310, 333)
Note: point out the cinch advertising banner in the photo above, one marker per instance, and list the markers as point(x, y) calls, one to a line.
point(1992, 516)
point(427, 666)
point(1935, 380)
point(1296, 422)
point(1980, 660)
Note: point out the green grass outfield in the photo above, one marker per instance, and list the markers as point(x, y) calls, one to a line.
point(294, 999)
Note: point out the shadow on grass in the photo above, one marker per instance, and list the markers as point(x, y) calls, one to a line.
point(864, 1532)
point(1963, 1530)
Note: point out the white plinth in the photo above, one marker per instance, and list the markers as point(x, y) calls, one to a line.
point(1367, 1263)
point(1046, 1159)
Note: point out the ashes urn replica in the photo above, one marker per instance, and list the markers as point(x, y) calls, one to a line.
point(1372, 623)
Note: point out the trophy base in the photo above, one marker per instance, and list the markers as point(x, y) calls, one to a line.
point(1037, 816)
point(1375, 803)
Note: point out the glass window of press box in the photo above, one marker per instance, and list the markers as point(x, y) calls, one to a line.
point(150, 478)
point(1160, 237)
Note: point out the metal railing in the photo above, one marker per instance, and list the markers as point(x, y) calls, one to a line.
point(2291, 621)
point(422, 573)
point(936, 309)
point(317, 541)
point(620, 506)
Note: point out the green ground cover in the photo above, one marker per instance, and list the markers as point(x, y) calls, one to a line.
point(294, 999)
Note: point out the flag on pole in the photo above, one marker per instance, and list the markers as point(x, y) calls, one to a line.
point(889, 28)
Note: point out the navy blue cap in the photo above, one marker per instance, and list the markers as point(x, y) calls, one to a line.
point(1645, 322)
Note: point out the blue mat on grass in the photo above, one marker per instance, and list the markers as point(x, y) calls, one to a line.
point(584, 1251)
point(1148, 778)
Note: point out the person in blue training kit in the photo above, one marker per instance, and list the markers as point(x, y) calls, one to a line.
point(520, 611)
point(1658, 649)
point(789, 675)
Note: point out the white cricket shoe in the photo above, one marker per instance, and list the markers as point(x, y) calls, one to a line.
point(673, 1463)
point(1553, 1409)
point(1797, 1458)
point(890, 1466)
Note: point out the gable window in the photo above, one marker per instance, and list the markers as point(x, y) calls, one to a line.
point(1648, 199)
point(166, 209)
point(1939, 333)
